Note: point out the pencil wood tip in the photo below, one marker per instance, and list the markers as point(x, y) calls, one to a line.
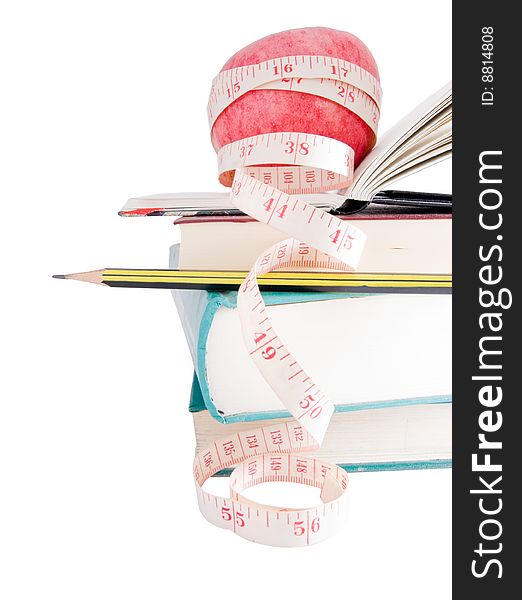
point(88, 276)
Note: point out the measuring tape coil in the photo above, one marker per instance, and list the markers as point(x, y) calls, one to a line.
point(270, 169)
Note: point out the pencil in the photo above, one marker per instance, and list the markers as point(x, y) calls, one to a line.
point(277, 281)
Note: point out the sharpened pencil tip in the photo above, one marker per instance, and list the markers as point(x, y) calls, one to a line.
point(59, 277)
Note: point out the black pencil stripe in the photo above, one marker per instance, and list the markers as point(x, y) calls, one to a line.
point(281, 288)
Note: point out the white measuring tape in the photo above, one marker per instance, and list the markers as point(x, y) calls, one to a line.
point(329, 162)
point(305, 163)
point(338, 80)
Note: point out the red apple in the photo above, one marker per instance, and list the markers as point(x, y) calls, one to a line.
point(269, 111)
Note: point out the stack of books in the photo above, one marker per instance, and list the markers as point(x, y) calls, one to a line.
point(383, 358)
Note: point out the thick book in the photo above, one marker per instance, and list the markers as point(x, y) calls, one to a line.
point(416, 436)
point(398, 241)
point(381, 350)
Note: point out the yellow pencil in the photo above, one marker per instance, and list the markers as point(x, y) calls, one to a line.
point(274, 281)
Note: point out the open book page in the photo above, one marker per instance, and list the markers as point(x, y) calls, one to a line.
point(435, 147)
point(420, 139)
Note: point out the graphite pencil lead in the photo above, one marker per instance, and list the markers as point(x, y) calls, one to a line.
point(88, 276)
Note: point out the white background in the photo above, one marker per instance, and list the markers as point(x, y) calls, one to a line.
point(103, 100)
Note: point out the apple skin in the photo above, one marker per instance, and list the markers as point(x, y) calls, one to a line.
point(269, 111)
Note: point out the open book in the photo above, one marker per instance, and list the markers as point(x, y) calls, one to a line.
point(420, 139)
